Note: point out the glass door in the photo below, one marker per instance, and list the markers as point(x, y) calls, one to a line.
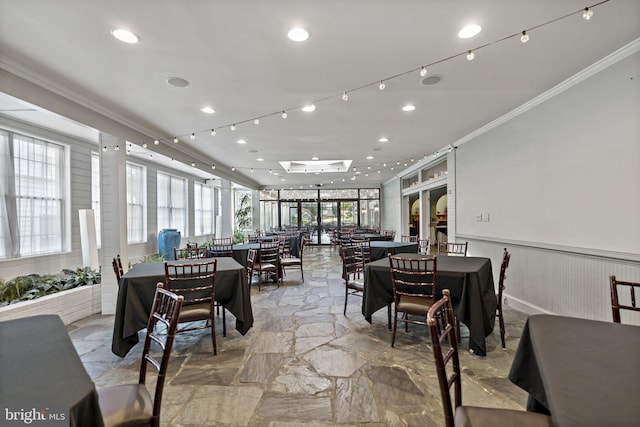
point(328, 222)
point(349, 214)
point(309, 219)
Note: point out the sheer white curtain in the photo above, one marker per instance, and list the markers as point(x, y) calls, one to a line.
point(9, 242)
point(172, 203)
point(136, 203)
point(204, 208)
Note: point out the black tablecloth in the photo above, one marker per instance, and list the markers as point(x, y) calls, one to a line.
point(469, 279)
point(40, 370)
point(380, 249)
point(137, 288)
point(586, 372)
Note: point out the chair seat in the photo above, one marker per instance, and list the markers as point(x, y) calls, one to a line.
point(414, 305)
point(125, 405)
point(265, 266)
point(290, 261)
point(195, 312)
point(357, 285)
point(473, 416)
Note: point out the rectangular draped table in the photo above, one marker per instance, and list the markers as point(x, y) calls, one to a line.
point(584, 372)
point(469, 279)
point(42, 374)
point(137, 288)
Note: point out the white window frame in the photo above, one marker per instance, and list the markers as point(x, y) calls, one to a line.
point(95, 194)
point(204, 207)
point(136, 203)
point(34, 196)
point(172, 203)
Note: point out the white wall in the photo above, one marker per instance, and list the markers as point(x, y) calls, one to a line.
point(391, 201)
point(561, 185)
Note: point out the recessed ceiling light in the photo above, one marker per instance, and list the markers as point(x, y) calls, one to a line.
point(177, 82)
point(383, 139)
point(298, 34)
point(408, 107)
point(469, 31)
point(369, 157)
point(125, 36)
point(260, 159)
point(207, 110)
point(309, 108)
point(241, 141)
point(315, 158)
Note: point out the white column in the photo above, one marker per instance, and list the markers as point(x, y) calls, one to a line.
point(113, 205)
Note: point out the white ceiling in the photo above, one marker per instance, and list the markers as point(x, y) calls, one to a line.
point(237, 58)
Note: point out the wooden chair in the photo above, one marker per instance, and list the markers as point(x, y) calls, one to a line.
point(190, 253)
point(362, 249)
point(423, 246)
point(409, 239)
point(268, 264)
point(506, 257)
point(628, 303)
point(250, 266)
point(219, 250)
point(116, 263)
point(222, 241)
point(132, 404)
point(287, 261)
point(459, 249)
point(352, 273)
point(197, 284)
point(414, 289)
point(442, 329)
point(389, 234)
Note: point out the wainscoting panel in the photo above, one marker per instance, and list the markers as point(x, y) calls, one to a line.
point(552, 281)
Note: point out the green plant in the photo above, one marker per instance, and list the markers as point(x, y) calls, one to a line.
point(31, 286)
point(243, 218)
point(151, 258)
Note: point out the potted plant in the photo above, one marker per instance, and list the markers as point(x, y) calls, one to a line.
point(243, 218)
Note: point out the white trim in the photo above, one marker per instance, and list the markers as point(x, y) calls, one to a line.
point(599, 253)
point(523, 306)
point(591, 70)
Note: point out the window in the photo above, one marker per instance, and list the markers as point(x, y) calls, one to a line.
point(95, 194)
point(204, 205)
point(172, 203)
point(34, 192)
point(136, 204)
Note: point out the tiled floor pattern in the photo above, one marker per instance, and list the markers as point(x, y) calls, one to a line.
point(305, 363)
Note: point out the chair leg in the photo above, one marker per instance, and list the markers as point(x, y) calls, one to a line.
point(389, 315)
point(213, 337)
point(346, 295)
point(502, 331)
point(224, 322)
point(395, 326)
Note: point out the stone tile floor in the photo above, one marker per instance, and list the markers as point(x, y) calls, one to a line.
point(304, 362)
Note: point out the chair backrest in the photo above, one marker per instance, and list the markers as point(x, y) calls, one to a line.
point(161, 330)
point(442, 329)
point(619, 300)
point(221, 241)
point(117, 267)
point(194, 281)
point(389, 234)
point(409, 239)
point(413, 276)
point(506, 257)
point(252, 238)
point(352, 265)
point(190, 253)
point(423, 246)
point(446, 248)
point(218, 250)
point(362, 250)
point(251, 261)
point(269, 252)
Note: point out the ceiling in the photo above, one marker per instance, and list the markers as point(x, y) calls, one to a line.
point(238, 59)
